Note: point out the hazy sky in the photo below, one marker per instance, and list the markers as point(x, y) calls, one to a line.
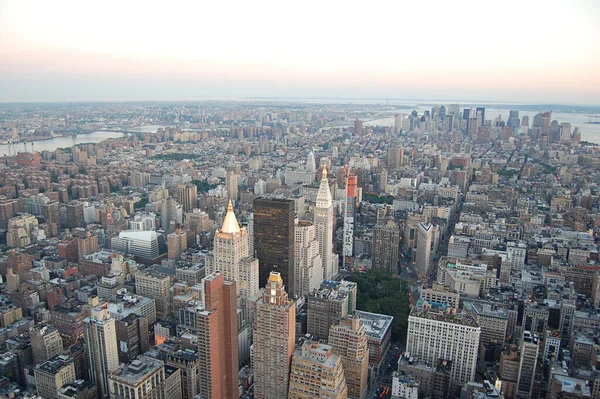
point(496, 50)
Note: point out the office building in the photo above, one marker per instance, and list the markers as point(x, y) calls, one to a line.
point(435, 334)
point(52, 374)
point(147, 245)
point(231, 257)
point(378, 328)
point(145, 378)
point(101, 348)
point(274, 238)
point(187, 194)
point(317, 372)
point(529, 350)
point(217, 339)
point(386, 241)
point(231, 185)
point(323, 220)
point(155, 286)
point(274, 340)
point(311, 165)
point(358, 128)
point(308, 267)
point(349, 340)
point(45, 343)
point(330, 304)
point(425, 233)
point(176, 243)
point(395, 158)
point(349, 214)
point(132, 336)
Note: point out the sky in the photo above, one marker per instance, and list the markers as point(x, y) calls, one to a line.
point(493, 50)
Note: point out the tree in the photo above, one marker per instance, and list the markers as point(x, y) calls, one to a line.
point(379, 292)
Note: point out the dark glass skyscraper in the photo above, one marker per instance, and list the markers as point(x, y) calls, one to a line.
point(274, 238)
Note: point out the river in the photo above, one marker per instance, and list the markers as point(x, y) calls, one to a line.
point(60, 142)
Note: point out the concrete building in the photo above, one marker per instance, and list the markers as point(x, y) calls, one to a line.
point(434, 334)
point(386, 241)
point(45, 343)
point(529, 350)
point(317, 372)
point(349, 340)
point(20, 229)
point(273, 231)
point(323, 220)
point(147, 245)
point(155, 286)
point(101, 348)
point(274, 340)
point(330, 304)
point(308, 266)
point(424, 241)
point(187, 195)
point(132, 336)
point(145, 378)
point(378, 328)
point(52, 374)
point(231, 185)
point(176, 243)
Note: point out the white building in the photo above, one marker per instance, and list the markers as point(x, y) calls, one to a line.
point(324, 228)
point(436, 334)
point(145, 244)
point(101, 347)
point(308, 265)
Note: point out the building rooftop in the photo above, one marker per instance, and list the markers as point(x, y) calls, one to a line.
point(376, 325)
point(55, 363)
point(448, 316)
point(135, 371)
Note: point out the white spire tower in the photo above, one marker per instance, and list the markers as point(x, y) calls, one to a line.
point(324, 227)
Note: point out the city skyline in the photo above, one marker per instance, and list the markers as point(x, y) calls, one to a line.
point(233, 50)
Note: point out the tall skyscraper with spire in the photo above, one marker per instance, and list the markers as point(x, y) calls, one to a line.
point(232, 258)
point(274, 340)
point(324, 227)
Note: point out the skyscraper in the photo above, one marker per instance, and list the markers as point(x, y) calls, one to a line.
point(308, 266)
point(187, 193)
point(348, 245)
point(231, 184)
point(349, 340)
point(386, 239)
point(317, 372)
point(274, 340)
point(529, 353)
point(101, 347)
point(217, 339)
point(311, 165)
point(274, 238)
point(358, 128)
point(324, 227)
point(424, 239)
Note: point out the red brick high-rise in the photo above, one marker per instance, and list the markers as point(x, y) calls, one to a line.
point(217, 339)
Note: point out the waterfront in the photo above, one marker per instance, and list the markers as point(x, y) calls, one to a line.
point(60, 142)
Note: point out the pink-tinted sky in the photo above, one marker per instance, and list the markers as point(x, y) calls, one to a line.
point(535, 51)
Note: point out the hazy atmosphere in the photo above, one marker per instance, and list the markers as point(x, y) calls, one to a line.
point(530, 51)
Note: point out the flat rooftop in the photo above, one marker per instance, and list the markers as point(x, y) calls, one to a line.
point(376, 325)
